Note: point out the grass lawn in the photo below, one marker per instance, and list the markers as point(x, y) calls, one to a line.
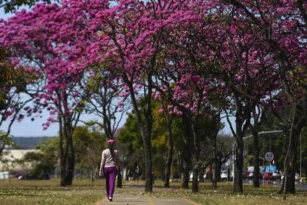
point(32, 192)
point(84, 192)
point(266, 194)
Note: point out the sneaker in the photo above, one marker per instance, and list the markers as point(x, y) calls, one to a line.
point(110, 199)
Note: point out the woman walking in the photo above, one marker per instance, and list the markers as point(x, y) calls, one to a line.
point(109, 165)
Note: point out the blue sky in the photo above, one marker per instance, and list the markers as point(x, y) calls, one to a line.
point(35, 128)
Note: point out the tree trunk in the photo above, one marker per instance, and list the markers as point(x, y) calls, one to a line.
point(218, 170)
point(62, 154)
point(195, 187)
point(299, 121)
point(242, 123)
point(162, 167)
point(213, 175)
point(181, 168)
point(144, 121)
point(169, 154)
point(288, 185)
point(67, 157)
point(214, 165)
point(63, 170)
point(70, 160)
point(256, 161)
point(238, 181)
point(185, 176)
point(119, 178)
point(92, 175)
point(186, 154)
point(148, 163)
point(1, 148)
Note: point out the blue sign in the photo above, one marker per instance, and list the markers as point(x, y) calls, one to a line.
point(270, 168)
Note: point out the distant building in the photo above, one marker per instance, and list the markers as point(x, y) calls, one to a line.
point(10, 160)
point(4, 175)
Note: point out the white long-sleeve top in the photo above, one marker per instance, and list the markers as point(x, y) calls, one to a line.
point(107, 160)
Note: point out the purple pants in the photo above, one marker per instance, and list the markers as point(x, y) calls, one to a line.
point(110, 175)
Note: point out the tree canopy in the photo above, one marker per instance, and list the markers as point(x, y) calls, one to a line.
point(203, 58)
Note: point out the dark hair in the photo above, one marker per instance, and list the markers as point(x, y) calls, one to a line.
point(111, 147)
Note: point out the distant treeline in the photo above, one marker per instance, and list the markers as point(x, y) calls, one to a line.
point(28, 142)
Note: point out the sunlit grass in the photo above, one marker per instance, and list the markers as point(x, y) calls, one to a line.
point(266, 194)
point(85, 192)
point(31, 192)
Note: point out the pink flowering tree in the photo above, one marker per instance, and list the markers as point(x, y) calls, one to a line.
point(282, 27)
point(240, 68)
point(185, 78)
point(17, 88)
point(131, 38)
point(227, 54)
point(50, 39)
point(130, 41)
point(185, 85)
point(245, 72)
point(12, 5)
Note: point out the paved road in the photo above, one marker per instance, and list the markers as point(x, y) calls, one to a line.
point(302, 186)
point(123, 199)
